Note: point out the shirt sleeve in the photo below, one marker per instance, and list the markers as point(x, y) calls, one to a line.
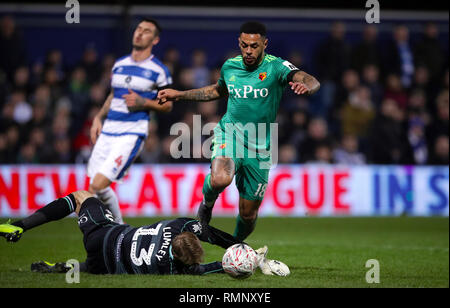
point(204, 269)
point(284, 68)
point(221, 82)
point(209, 234)
point(164, 79)
point(112, 71)
point(217, 237)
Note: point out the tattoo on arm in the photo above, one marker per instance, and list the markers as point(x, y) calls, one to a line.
point(140, 101)
point(308, 80)
point(302, 77)
point(205, 94)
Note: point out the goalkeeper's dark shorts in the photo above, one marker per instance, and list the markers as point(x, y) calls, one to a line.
point(95, 220)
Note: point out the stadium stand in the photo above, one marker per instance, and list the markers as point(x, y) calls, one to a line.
point(384, 100)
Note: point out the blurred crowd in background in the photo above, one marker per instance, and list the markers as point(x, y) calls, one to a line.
point(379, 103)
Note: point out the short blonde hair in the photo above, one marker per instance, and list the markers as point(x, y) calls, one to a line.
point(187, 248)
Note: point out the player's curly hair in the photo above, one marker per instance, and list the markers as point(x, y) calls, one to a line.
point(253, 27)
point(186, 248)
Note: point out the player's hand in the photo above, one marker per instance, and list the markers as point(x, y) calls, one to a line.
point(133, 100)
point(96, 129)
point(299, 88)
point(168, 95)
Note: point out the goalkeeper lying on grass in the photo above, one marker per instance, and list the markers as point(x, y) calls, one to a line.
point(166, 247)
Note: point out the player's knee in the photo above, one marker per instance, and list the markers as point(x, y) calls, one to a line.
point(222, 172)
point(220, 181)
point(81, 196)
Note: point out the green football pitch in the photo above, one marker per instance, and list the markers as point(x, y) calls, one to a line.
point(321, 252)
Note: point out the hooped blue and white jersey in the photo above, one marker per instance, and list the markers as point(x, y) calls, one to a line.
point(144, 78)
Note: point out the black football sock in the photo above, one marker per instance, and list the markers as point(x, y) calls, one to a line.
point(55, 210)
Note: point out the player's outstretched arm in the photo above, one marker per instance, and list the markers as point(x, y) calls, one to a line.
point(208, 233)
point(204, 269)
point(135, 102)
point(218, 237)
point(208, 93)
point(303, 83)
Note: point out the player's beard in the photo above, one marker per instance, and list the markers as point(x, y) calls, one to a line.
point(255, 64)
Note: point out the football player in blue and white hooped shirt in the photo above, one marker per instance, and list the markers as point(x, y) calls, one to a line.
point(121, 126)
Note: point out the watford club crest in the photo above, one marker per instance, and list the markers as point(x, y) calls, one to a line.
point(262, 76)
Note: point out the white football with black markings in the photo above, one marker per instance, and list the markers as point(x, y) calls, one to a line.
point(240, 261)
